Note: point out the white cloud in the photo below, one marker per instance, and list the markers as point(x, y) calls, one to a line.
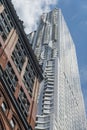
point(30, 10)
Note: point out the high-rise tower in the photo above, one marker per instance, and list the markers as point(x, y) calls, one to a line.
point(61, 97)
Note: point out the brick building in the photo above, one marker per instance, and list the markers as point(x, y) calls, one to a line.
point(20, 73)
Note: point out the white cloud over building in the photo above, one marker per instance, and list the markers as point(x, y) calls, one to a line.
point(30, 10)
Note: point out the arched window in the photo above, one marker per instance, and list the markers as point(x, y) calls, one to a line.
point(4, 106)
point(15, 123)
point(4, 103)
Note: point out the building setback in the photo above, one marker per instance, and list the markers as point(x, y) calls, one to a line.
point(20, 73)
point(60, 94)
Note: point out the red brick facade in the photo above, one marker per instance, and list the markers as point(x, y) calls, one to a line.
point(18, 86)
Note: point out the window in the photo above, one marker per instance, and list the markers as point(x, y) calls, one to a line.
point(6, 24)
point(29, 75)
point(18, 56)
point(47, 34)
point(4, 36)
point(55, 32)
point(10, 76)
point(55, 17)
point(1, 126)
point(29, 78)
point(1, 30)
point(2, 16)
point(12, 123)
point(23, 102)
point(3, 106)
point(0, 45)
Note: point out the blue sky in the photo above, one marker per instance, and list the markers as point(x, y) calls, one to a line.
point(75, 14)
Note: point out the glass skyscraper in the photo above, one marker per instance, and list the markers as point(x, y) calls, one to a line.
point(60, 102)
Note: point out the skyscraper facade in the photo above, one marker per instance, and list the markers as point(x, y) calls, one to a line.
point(20, 73)
point(61, 105)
